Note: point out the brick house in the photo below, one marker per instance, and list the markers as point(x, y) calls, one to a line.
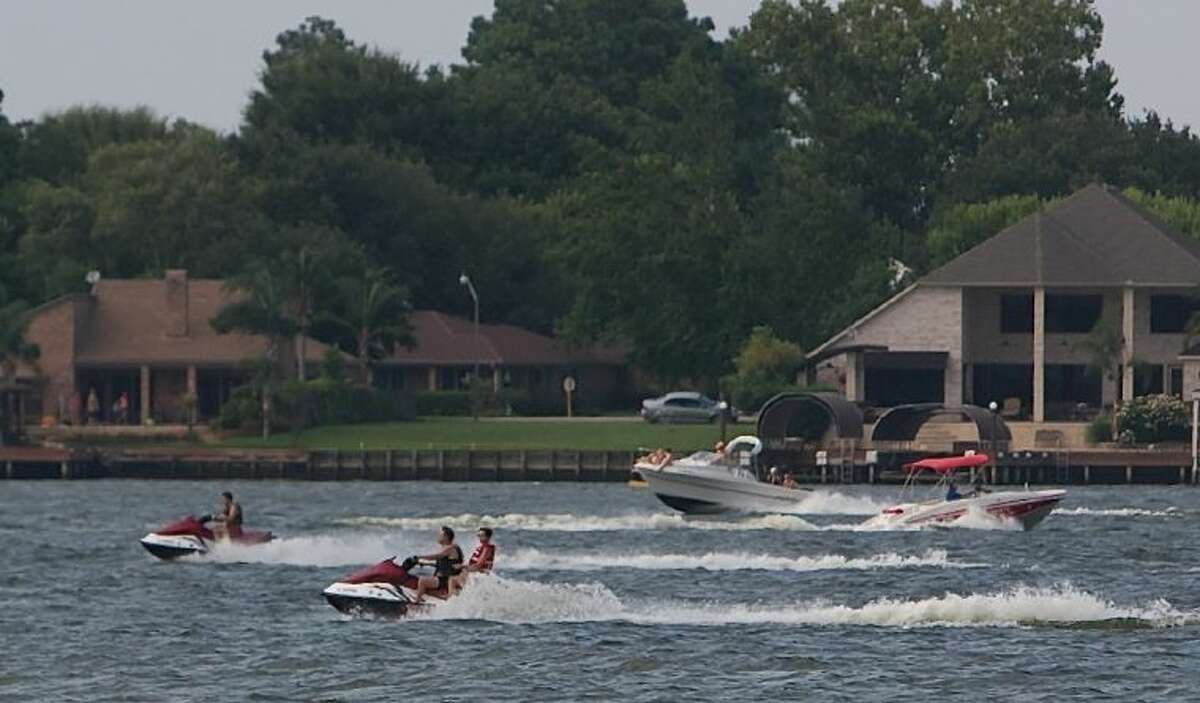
point(510, 358)
point(1006, 321)
point(148, 338)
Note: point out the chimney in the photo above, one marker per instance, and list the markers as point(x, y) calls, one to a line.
point(177, 302)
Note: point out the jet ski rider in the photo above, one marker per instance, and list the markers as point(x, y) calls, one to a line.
point(447, 563)
point(231, 515)
point(481, 559)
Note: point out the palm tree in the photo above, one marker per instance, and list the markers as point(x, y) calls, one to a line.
point(14, 349)
point(375, 314)
point(304, 274)
point(262, 306)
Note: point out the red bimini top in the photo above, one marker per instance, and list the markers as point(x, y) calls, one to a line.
point(948, 465)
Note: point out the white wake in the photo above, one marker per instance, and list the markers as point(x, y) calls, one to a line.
point(535, 559)
point(498, 599)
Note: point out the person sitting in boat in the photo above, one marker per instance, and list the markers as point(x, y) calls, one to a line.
point(788, 481)
point(979, 488)
point(719, 448)
point(447, 563)
point(773, 476)
point(231, 516)
point(482, 558)
point(952, 492)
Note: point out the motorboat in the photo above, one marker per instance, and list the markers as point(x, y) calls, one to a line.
point(719, 482)
point(386, 589)
point(1026, 508)
point(191, 535)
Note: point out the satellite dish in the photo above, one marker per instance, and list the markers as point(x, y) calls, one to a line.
point(92, 277)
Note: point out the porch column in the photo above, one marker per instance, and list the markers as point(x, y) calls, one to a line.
point(193, 409)
point(432, 375)
point(855, 392)
point(496, 371)
point(145, 394)
point(1127, 344)
point(1039, 354)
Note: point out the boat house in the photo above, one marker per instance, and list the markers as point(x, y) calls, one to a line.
point(1015, 319)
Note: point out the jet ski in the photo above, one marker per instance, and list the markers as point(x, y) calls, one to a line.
point(719, 482)
point(191, 535)
point(1027, 508)
point(385, 590)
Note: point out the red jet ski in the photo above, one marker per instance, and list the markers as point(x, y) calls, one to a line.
point(385, 589)
point(191, 535)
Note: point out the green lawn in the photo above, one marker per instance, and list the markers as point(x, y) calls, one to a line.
point(464, 433)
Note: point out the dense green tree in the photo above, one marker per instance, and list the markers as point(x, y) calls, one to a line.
point(15, 349)
point(57, 147)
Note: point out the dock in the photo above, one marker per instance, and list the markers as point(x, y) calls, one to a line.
point(1041, 467)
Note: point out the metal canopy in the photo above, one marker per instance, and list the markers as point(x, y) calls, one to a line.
point(903, 422)
point(777, 413)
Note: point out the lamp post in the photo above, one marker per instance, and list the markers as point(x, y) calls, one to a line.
point(465, 280)
point(993, 406)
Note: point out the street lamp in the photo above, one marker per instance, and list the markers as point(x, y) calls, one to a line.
point(993, 406)
point(466, 281)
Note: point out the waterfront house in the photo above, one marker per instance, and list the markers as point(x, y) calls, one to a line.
point(1008, 320)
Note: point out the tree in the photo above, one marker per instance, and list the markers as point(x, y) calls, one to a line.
point(15, 349)
point(764, 366)
point(261, 306)
point(374, 313)
point(962, 226)
point(56, 148)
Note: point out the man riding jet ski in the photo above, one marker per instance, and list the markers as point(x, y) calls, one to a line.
point(388, 589)
point(191, 535)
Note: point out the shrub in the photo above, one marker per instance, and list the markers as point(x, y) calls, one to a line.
point(242, 411)
point(443, 403)
point(300, 404)
point(1153, 418)
point(1100, 430)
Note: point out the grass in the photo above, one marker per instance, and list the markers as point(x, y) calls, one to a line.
point(496, 434)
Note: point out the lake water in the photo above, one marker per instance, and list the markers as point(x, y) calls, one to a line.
point(600, 594)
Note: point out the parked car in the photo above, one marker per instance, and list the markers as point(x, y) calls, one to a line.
point(684, 406)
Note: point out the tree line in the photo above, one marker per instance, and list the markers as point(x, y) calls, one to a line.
point(603, 169)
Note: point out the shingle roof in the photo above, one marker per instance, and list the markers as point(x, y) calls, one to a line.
point(128, 321)
point(443, 339)
point(1095, 237)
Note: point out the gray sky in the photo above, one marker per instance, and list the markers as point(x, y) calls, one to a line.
point(200, 60)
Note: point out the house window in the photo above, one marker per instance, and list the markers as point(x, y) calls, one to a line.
point(1073, 314)
point(1170, 314)
point(1016, 313)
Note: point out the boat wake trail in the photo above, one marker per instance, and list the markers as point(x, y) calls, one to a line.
point(834, 503)
point(585, 523)
point(534, 559)
point(1119, 512)
point(499, 599)
point(342, 549)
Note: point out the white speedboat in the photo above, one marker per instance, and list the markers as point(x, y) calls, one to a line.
point(1027, 508)
point(718, 482)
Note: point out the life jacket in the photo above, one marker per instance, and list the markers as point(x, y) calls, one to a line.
point(449, 565)
point(483, 556)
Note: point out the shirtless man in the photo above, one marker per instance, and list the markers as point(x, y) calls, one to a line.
point(231, 516)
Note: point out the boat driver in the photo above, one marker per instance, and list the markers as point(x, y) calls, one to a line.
point(447, 563)
point(952, 492)
point(231, 515)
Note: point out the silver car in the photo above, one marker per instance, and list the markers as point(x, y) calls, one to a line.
point(682, 406)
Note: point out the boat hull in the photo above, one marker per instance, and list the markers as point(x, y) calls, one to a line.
point(1025, 508)
point(168, 547)
point(707, 495)
point(383, 600)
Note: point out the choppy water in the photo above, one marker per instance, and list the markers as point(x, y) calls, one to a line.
point(601, 594)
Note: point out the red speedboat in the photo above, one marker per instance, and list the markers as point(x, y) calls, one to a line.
point(1027, 508)
point(191, 535)
point(386, 589)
